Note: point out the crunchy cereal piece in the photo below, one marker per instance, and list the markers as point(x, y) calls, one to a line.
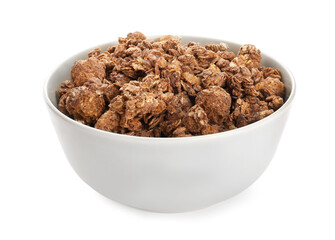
point(270, 72)
point(109, 121)
point(213, 77)
point(152, 56)
point(167, 127)
point(94, 53)
point(195, 119)
point(154, 83)
point(166, 97)
point(65, 87)
point(206, 57)
point(83, 70)
point(107, 59)
point(142, 107)
point(93, 81)
point(145, 45)
point(274, 102)
point(174, 78)
point(145, 133)
point(275, 86)
point(151, 104)
point(188, 60)
point(175, 65)
point(187, 87)
point(137, 35)
point(211, 128)
point(195, 49)
point(256, 75)
point(242, 83)
point(161, 62)
point(154, 121)
point(226, 55)
point(222, 63)
point(135, 52)
point(247, 81)
point(229, 124)
point(118, 79)
point(139, 64)
point(216, 102)
point(84, 104)
point(235, 85)
point(169, 44)
point(109, 91)
point(203, 54)
point(250, 55)
point(167, 37)
point(130, 89)
point(129, 72)
point(181, 132)
point(271, 86)
point(62, 104)
point(156, 45)
point(178, 106)
point(217, 47)
point(132, 124)
point(111, 49)
point(249, 110)
point(117, 104)
point(191, 78)
point(120, 51)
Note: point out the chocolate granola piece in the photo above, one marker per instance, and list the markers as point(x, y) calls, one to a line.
point(109, 121)
point(249, 110)
point(65, 87)
point(83, 70)
point(195, 119)
point(216, 102)
point(271, 86)
point(83, 104)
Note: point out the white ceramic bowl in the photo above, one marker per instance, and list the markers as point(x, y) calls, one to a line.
point(168, 174)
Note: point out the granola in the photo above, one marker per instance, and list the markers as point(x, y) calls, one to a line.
point(162, 88)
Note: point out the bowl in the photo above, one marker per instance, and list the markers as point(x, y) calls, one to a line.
point(168, 174)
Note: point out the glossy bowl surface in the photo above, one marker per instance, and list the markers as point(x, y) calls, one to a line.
point(168, 174)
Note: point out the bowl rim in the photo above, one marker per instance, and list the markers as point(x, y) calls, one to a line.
point(285, 107)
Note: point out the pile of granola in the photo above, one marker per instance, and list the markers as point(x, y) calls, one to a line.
point(161, 88)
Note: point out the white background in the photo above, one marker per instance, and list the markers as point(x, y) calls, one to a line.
point(42, 197)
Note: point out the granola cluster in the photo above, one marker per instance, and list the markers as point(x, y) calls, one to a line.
point(161, 88)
